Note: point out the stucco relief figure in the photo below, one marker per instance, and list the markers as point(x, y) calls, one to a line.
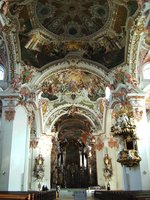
point(107, 171)
point(44, 106)
point(4, 8)
point(100, 107)
point(38, 170)
point(16, 83)
point(25, 93)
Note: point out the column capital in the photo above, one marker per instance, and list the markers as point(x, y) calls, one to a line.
point(136, 100)
point(8, 106)
point(9, 100)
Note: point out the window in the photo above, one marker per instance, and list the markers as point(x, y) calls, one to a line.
point(146, 71)
point(107, 93)
point(1, 72)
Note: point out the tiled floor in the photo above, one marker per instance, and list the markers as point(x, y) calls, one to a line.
point(73, 194)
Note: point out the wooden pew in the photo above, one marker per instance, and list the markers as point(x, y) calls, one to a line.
point(9, 196)
point(122, 195)
point(28, 195)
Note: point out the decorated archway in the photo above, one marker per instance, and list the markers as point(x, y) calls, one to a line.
point(72, 100)
point(73, 157)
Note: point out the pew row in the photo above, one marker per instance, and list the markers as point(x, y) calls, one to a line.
point(15, 196)
point(30, 195)
point(123, 195)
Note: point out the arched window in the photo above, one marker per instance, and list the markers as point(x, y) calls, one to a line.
point(107, 93)
point(1, 72)
point(146, 71)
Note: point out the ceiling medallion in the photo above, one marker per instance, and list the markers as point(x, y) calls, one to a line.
point(72, 18)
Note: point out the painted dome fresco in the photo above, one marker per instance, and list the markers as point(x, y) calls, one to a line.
point(71, 17)
point(98, 30)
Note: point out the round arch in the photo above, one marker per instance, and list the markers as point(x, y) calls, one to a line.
point(89, 114)
point(68, 63)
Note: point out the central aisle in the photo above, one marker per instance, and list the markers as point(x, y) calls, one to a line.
point(69, 194)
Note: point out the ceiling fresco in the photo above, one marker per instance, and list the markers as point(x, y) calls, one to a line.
point(49, 30)
point(74, 126)
point(72, 18)
point(73, 81)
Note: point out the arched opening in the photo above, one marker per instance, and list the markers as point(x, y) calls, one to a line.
point(73, 157)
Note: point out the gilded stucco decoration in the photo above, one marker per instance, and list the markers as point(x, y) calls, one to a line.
point(34, 140)
point(107, 170)
point(125, 128)
point(39, 168)
point(139, 42)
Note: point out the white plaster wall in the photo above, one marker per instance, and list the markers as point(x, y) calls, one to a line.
point(144, 166)
point(33, 183)
point(46, 180)
point(148, 148)
point(38, 122)
point(116, 180)
point(144, 150)
point(6, 138)
point(43, 148)
point(100, 177)
point(131, 178)
point(18, 151)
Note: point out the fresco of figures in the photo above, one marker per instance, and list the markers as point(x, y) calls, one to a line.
point(73, 81)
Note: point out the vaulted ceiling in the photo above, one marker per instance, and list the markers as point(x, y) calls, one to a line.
point(50, 29)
